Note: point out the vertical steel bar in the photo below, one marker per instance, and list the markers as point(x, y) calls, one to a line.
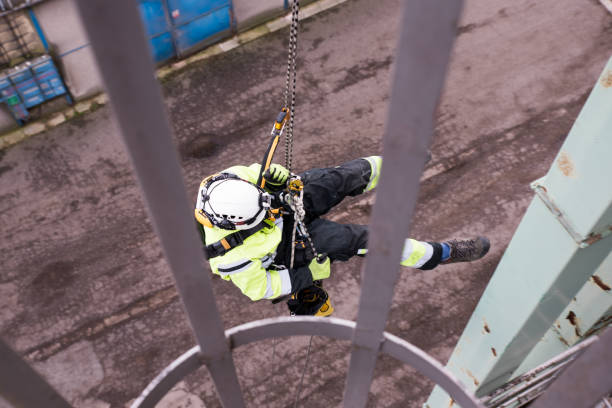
point(122, 53)
point(23, 387)
point(585, 382)
point(427, 33)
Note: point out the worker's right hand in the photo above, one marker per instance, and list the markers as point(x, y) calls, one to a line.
point(276, 177)
point(320, 268)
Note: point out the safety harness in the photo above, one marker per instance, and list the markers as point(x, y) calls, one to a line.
point(232, 240)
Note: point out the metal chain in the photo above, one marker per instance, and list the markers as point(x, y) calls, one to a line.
point(291, 82)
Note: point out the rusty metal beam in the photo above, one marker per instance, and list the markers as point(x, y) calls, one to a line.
point(426, 38)
point(119, 44)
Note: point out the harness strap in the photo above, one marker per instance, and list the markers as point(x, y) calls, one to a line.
point(232, 240)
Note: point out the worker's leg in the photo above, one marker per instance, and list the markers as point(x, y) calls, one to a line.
point(339, 241)
point(324, 188)
point(343, 241)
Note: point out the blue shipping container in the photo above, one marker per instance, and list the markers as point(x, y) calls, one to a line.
point(178, 27)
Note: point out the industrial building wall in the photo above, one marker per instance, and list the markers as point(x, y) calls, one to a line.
point(69, 45)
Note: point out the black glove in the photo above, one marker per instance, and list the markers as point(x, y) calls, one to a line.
point(276, 177)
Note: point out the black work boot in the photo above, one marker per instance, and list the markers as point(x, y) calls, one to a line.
point(467, 250)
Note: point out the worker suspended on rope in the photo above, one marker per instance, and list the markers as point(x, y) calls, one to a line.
point(248, 231)
point(263, 229)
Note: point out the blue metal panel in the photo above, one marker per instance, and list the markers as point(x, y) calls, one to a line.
point(154, 16)
point(30, 84)
point(11, 98)
point(184, 11)
point(189, 35)
point(162, 47)
point(47, 77)
point(177, 26)
point(20, 74)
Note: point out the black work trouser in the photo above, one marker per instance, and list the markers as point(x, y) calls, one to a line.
point(323, 189)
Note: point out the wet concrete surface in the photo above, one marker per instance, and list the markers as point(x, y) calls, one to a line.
point(87, 297)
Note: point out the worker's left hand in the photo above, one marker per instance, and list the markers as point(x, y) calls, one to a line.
point(320, 268)
point(276, 177)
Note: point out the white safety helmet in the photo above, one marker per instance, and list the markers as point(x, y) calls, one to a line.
point(231, 203)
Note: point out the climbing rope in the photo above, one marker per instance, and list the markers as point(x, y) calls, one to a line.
point(295, 186)
point(299, 389)
point(291, 82)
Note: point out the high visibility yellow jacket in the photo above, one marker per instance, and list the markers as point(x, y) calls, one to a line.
point(249, 266)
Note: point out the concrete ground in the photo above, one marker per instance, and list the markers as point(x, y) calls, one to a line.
point(87, 297)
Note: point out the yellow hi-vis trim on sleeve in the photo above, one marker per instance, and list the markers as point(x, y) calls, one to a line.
point(376, 166)
point(416, 253)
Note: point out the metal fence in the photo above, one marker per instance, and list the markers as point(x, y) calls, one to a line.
point(424, 48)
point(120, 46)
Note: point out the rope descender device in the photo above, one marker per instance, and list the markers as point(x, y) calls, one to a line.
point(295, 185)
point(277, 131)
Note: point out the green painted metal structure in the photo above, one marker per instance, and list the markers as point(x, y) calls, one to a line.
point(586, 314)
point(553, 265)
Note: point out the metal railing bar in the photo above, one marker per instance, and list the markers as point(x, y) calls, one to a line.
point(427, 32)
point(22, 386)
point(168, 377)
point(529, 394)
point(570, 353)
point(584, 382)
point(431, 368)
point(335, 328)
point(119, 44)
point(501, 398)
point(258, 330)
point(536, 388)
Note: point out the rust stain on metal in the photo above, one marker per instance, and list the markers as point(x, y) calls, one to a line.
point(573, 319)
point(564, 341)
point(602, 323)
point(451, 403)
point(486, 328)
point(592, 238)
point(606, 79)
point(565, 164)
point(473, 377)
point(600, 283)
point(494, 352)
